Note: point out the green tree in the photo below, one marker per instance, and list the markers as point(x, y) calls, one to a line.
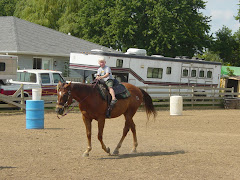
point(210, 56)
point(178, 28)
point(7, 7)
point(43, 12)
point(238, 15)
point(68, 21)
point(236, 50)
point(224, 45)
point(164, 27)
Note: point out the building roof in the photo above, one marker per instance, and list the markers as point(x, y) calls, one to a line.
point(236, 70)
point(18, 36)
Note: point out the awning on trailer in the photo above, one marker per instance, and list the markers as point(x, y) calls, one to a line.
point(225, 70)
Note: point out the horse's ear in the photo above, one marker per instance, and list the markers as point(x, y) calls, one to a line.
point(68, 85)
point(59, 85)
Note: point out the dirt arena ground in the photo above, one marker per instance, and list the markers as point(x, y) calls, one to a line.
point(200, 144)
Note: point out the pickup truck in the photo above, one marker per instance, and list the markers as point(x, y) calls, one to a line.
point(32, 78)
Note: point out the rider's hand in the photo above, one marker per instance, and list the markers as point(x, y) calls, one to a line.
point(98, 77)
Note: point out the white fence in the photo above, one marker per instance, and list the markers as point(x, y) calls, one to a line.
point(192, 96)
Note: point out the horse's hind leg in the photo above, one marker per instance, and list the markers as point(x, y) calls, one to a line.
point(128, 124)
point(125, 131)
point(133, 129)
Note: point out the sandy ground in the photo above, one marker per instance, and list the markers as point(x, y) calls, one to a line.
point(200, 144)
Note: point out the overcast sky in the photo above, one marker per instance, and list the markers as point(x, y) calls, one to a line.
point(222, 12)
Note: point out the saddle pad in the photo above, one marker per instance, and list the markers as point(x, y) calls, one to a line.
point(103, 91)
point(120, 90)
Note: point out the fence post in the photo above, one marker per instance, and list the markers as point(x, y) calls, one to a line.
point(192, 95)
point(22, 95)
point(232, 91)
point(214, 95)
point(169, 90)
point(146, 89)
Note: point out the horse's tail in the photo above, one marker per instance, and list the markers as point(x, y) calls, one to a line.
point(148, 104)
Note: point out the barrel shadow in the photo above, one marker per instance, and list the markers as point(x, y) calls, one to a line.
point(7, 167)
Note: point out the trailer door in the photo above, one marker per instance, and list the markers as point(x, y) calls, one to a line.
point(185, 73)
point(193, 76)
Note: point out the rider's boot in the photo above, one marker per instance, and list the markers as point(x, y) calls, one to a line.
point(113, 102)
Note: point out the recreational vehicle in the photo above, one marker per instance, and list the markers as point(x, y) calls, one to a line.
point(8, 68)
point(137, 68)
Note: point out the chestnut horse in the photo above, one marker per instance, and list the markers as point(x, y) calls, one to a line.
point(93, 106)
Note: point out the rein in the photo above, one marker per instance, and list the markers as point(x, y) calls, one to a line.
point(72, 107)
point(69, 93)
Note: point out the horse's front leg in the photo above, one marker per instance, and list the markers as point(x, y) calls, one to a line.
point(88, 125)
point(101, 123)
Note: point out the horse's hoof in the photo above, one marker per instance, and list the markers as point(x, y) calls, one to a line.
point(108, 150)
point(134, 151)
point(85, 155)
point(115, 152)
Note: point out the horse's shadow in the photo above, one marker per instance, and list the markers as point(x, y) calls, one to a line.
point(141, 154)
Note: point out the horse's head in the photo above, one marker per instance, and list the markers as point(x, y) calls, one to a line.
point(64, 97)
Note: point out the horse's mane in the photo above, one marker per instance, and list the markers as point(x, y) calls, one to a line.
point(81, 87)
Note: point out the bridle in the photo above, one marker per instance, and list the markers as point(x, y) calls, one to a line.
point(66, 105)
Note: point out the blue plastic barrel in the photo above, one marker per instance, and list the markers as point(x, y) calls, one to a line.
point(34, 114)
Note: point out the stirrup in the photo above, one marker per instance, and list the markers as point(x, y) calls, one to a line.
point(113, 102)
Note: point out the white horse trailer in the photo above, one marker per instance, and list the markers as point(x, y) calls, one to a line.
point(142, 70)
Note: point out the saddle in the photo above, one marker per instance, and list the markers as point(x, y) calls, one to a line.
point(120, 91)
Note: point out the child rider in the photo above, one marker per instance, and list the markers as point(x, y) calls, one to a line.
point(104, 72)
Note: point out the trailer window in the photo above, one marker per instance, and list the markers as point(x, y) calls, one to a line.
point(2, 66)
point(155, 73)
point(169, 70)
point(121, 77)
point(209, 74)
point(119, 63)
point(194, 73)
point(201, 73)
point(185, 72)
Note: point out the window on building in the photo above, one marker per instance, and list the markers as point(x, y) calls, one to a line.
point(193, 73)
point(201, 73)
point(45, 78)
point(209, 74)
point(37, 63)
point(169, 70)
point(154, 73)
point(119, 63)
point(2, 66)
point(185, 72)
point(42, 63)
